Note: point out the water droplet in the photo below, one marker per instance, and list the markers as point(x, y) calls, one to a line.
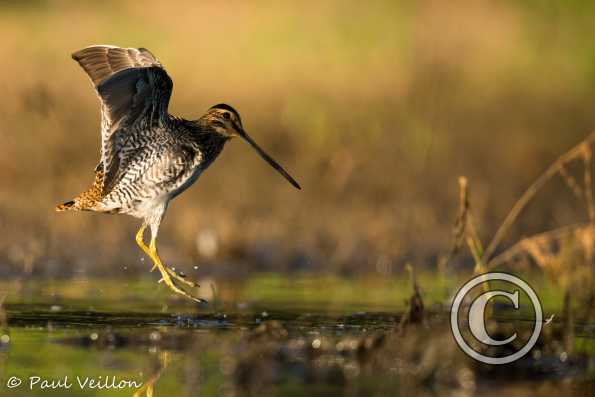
point(4, 338)
point(94, 336)
point(316, 343)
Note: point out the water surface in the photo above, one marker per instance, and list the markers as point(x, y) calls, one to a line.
point(253, 339)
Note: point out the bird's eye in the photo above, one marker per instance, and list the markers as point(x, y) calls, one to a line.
point(226, 115)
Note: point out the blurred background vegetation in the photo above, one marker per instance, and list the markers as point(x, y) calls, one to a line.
point(376, 108)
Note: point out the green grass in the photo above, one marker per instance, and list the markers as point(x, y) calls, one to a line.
point(264, 289)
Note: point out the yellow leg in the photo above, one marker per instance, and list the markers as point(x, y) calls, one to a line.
point(172, 272)
point(167, 273)
point(152, 253)
point(141, 243)
point(139, 239)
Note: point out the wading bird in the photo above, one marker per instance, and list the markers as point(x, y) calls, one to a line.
point(148, 156)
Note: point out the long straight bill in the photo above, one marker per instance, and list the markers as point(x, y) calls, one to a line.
point(270, 160)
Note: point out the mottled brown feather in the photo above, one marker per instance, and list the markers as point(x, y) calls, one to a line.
point(88, 200)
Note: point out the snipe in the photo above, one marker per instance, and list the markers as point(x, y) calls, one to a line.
point(148, 156)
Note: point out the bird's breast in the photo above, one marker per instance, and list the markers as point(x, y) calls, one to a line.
point(187, 182)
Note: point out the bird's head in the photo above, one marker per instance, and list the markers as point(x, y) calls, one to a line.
point(226, 121)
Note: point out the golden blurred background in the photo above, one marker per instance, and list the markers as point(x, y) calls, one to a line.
point(376, 108)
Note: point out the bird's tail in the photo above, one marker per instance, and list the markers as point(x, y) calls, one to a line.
point(69, 205)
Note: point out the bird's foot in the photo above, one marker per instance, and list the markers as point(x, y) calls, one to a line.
point(168, 274)
point(181, 278)
point(165, 278)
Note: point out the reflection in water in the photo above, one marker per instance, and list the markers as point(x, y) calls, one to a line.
point(148, 387)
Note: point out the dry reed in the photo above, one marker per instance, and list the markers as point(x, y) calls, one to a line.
point(582, 150)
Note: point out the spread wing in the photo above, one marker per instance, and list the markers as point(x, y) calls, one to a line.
point(134, 91)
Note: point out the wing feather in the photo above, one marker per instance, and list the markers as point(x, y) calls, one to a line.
point(134, 90)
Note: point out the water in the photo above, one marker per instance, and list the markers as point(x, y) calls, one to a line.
point(108, 346)
point(179, 353)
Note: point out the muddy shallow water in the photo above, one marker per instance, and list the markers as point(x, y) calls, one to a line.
point(78, 347)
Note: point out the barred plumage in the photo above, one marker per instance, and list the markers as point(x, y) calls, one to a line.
point(148, 156)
